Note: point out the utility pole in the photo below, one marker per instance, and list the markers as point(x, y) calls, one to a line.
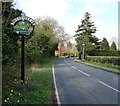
point(83, 46)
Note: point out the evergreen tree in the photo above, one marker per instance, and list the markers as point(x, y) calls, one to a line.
point(87, 28)
point(113, 46)
point(84, 34)
point(105, 44)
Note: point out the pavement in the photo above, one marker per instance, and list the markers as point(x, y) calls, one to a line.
point(80, 84)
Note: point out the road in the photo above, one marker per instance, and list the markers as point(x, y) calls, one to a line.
point(81, 84)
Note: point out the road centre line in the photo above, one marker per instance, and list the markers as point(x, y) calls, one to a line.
point(66, 62)
point(109, 86)
point(84, 73)
point(79, 70)
point(73, 67)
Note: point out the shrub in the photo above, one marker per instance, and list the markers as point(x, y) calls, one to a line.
point(104, 59)
point(104, 53)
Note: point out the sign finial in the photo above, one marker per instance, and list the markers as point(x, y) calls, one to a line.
point(23, 14)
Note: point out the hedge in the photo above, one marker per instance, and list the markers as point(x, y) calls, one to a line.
point(104, 59)
point(104, 53)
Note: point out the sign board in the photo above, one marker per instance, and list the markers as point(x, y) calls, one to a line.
point(23, 25)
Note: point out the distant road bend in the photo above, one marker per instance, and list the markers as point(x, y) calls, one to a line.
point(81, 84)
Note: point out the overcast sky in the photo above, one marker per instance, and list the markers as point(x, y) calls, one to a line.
point(69, 13)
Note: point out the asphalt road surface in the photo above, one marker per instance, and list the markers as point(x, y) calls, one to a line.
point(81, 84)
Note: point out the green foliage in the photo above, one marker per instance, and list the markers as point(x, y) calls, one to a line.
point(104, 59)
point(47, 27)
point(104, 53)
point(36, 90)
point(10, 47)
point(44, 41)
point(36, 48)
point(85, 36)
point(87, 45)
point(87, 28)
point(9, 40)
point(105, 44)
point(113, 46)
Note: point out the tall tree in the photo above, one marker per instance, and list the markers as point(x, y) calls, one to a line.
point(87, 28)
point(46, 27)
point(113, 46)
point(9, 40)
point(50, 28)
point(84, 34)
point(50, 24)
point(105, 44)
point(10, 47)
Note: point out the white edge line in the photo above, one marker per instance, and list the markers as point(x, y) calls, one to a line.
point(109, 86)
point(55, 85)
point(84, 73)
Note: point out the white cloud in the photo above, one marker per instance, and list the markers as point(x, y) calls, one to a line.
point(73, 25)
point(58, 9)
point(39, 8)
point(93, 10)
point(96, 1)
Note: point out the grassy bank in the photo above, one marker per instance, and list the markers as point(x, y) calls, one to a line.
point(98, 66)
point(104, 65)
point(37, 88)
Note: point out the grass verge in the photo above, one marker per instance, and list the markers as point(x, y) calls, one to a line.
point(104, 65)
point(100, 64)
point(37, 89)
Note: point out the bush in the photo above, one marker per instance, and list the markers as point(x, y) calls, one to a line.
point(104, 53)
point(104, 59)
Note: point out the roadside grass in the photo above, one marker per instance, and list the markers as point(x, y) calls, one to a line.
point(104, 65)
point(37, 89)
point(99, 64)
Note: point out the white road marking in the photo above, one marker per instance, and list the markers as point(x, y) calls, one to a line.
point(79, 70)
point(56, 90)
point(109, 86)
point(84, 73)
point(73, 67)
point(66, 62)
